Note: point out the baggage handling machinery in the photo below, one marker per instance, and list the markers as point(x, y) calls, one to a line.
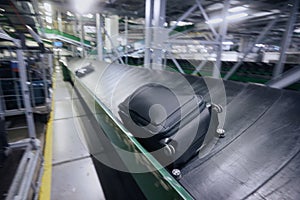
point(258, 157)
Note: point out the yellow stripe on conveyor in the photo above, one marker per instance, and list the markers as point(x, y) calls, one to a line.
point(45, 190)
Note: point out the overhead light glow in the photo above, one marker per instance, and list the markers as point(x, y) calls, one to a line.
point(259, 45)
point(49, 19)
point(214, 21)
point(79, 48)
point(47, 7)
point(48, 14)
point(2, 10)
point(227, 43)
point(90, 16)
point(69, 14)
point(237, 16)
point(230, 17)
point(83, 6)
point(237, 9)
point(182, 23)
point(297, 30)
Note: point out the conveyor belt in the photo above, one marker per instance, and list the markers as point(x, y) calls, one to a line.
point(259, 156)
point(255, 158)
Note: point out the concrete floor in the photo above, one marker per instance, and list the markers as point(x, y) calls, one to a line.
point(73, 173)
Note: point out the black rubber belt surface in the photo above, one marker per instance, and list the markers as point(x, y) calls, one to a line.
point(260, 158)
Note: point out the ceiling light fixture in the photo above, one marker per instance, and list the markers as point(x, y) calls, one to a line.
point(69, 14)
point(297, 30)
point(83, 6)
point(90, 16)
point(230, 17)
point(237, 16)
point(214, 21)
point(237, 9)
point(260, 45)
point(227, 43)
point(47, 7)
point(49, 19)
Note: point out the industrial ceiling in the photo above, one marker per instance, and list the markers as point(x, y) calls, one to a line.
point(258, 14)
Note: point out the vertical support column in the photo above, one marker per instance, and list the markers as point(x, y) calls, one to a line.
point(148, 32)
point(222, 34)
point(112, 32)
point(99, 26)
point(126, 39)
point(81, 37)
point(43, 65)
point(26, 94)
point(286, 41)
point(244, 43)
point(159, 34)
point(59, 20)
point(50, 63)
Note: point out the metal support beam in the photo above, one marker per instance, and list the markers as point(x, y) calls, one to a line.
point(26, 94)
point(99, 27)
point(50, 63)
point(59, 20)
point(148, 32)
point(24, 86)
point(159, 33)
point(39, 19)
point(185, 15)
point(176, 63)
point(113, 47)
point(81, 36)
point(206, 18)
point(202, 64)
point(287, 38)
point(286, 79)
point(126, 39)
point(44, 76)
point(248, 50)
point(220, 38)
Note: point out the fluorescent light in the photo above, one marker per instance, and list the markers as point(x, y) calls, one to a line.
point(69, 14)
point(214, 21)
point(259, 45)
point(227, 43)
point(47, 7)
point(2, 10)
point(230, 17)
point(297, 30)
point(79, 48)
point(237, 16)
point(48, 13)
point(83, 6)
point(238, 9)
point(181, 23)
point(89, 15)
point(49, 19)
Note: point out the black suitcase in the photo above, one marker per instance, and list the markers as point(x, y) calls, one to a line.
point(174, 134)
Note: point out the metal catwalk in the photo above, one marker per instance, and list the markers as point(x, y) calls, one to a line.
point(73, 172)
